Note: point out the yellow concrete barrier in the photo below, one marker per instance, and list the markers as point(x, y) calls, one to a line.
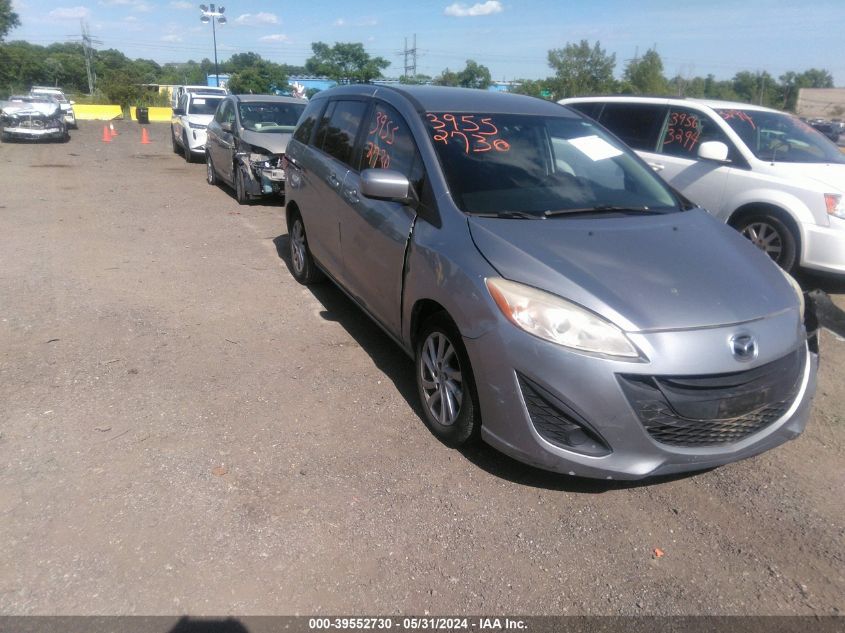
point(155, 113)
point(89, 112)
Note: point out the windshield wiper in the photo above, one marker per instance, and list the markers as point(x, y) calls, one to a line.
point(511, 215)
point(603, 208)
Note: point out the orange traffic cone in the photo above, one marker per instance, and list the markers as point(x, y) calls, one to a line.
point(112, 130)
point(145, 136)
point(106, 135)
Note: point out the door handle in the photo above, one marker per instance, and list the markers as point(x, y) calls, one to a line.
point(657, 166)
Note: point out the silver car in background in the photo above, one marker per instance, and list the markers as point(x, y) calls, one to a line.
point(558, 299)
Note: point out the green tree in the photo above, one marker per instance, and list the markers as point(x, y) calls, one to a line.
point(474, 75)
point(8, 18)
point(345, 62)
point(581, 70)
point(792, 82)
point(532, 88)
point(645, 75)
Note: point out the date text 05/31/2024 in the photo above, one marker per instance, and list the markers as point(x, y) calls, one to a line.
point(417, 624)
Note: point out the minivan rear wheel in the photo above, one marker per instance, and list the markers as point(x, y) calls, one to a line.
point(769, 233)
point(302, 264)
point(445, 382)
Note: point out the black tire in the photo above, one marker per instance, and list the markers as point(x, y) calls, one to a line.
point(240, 187)
point(210, 173)
point(443, 371)
point(302, 265)
point(189, 155)
point(173, 141)
point(771, 235)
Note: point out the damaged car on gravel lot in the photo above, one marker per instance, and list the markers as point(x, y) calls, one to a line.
point(29, 117)
point(558, 299)
point(246, 141)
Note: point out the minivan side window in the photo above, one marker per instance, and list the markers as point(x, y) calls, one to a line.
point(591, 109)
point(338, 135)
point(389, 144)
point(686, 130)
point(637, 124)
point(308, 121)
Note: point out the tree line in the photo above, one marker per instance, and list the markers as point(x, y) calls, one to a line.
point(578, 69)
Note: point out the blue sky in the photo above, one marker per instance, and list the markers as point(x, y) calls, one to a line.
point(511, 38)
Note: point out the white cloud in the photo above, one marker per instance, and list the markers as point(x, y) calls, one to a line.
point(109, 3)
point(17, 5)
point(69, 13)
point(365, 21)
point(181, 4)
point(142, 7)
point(479, 8)
point(130, 18)
point(278, 38)
point(254, 19)
point(171, 38)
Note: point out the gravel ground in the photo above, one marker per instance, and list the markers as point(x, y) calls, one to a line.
point(185, 429)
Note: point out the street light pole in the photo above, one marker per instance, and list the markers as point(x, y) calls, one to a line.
point(213, 14)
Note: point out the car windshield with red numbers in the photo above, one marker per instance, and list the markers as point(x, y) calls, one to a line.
point(536, 166)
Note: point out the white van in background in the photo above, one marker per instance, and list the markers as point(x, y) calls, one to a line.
point(178, 91)
point(766, 173)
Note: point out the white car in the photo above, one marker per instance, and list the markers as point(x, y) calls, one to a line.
point(189, 121)
point(177, 92)
point(766, 173)
point(64, 103)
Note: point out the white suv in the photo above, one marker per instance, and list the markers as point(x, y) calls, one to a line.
point(64, 103)
point(764, 172)
point(189, 121)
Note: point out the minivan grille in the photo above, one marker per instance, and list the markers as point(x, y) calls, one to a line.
point(714, 410)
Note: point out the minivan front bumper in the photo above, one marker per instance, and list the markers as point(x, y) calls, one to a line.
point(824, 246)
point(527, 386)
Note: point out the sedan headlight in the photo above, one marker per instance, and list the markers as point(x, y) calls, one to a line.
point(554, 319)
point(797, 290)
point(196, 126)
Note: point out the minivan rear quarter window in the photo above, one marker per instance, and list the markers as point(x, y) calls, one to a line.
point(637, 124)
point(309, 121)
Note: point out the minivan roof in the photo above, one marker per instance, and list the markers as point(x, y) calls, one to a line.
point(710, 103)
point(447, 98)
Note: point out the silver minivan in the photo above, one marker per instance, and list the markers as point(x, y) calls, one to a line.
point(558, 299)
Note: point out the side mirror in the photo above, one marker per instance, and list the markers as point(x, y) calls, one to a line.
point(178, 111)
point(386, 184)
point(226, 126)
point(713, 150)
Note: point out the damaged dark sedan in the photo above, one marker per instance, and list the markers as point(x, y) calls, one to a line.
point(246, 142)
point(31, 117)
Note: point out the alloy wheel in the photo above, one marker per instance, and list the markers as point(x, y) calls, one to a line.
point(765, 237)
point(441, 379)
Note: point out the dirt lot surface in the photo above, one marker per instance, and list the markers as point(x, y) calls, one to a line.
point(185, 429)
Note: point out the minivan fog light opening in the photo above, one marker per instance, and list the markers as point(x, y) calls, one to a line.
point(554, 319)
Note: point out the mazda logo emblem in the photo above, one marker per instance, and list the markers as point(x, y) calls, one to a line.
point(744, 347)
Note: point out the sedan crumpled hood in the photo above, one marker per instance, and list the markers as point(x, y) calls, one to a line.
point(658, 272)
point(273, 142)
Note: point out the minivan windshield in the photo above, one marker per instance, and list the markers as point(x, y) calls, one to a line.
point(781, 138)
point(515, 165)
point(259, 116)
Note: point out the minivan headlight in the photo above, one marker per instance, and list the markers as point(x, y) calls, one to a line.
point(555, 319)
point(797, 288)
point(834, 205)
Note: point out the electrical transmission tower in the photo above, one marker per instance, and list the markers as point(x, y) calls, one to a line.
point(87, 49)
point(410, 58)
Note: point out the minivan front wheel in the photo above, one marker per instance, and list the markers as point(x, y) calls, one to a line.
point(772, 236)
point(302, 264)
point(445, 382)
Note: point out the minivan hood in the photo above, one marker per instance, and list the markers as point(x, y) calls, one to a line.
point(646, 273)
point(273, 142)
point(831, 175)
